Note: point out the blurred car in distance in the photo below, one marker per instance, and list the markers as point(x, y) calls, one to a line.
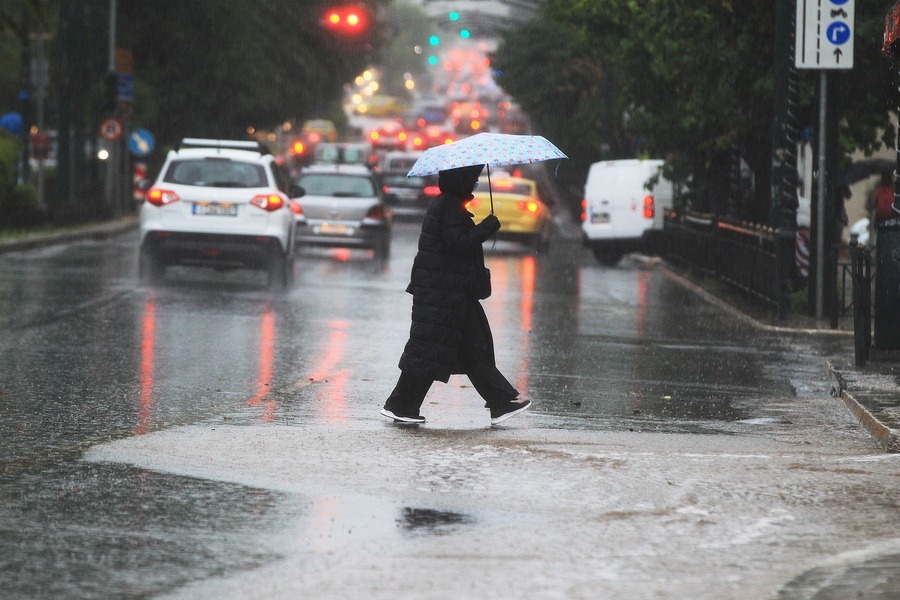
point(220, 204)
point(345, 153)
point(319, 130)
point(523, 215)
point(429, 137)
point(380, 106)
point(342, 206)
point(409, 196)
point(389, 136)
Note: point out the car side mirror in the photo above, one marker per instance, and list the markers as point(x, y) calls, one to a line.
point(296, 191)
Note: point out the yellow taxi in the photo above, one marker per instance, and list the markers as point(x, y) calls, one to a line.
point(319, 130)
point(523, 215)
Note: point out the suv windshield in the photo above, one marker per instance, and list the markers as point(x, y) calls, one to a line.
point(216, 172)
point(337, 184)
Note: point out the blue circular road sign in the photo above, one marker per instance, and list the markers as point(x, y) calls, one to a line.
point(141, 142)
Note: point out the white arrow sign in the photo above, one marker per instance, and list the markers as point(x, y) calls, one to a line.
point(824, 34)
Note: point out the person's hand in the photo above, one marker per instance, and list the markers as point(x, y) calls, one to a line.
point(492, 221)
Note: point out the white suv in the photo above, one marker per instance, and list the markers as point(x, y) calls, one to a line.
point(221, 204)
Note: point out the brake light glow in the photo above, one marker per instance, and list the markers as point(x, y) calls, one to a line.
point(584, 205)
point(472, 204)
point(268, 202)
point(161, 197)
point(528, 206)
point(648, 207)
point(431, 191)
point(374, 135)
point(295, 207)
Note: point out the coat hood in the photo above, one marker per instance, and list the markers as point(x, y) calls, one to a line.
point(459, 182)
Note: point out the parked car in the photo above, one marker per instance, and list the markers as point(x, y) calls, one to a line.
point(523, 215)
point(342, 206)
point(218, 203)
point(620, 211)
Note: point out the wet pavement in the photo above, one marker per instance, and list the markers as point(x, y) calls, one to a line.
point(206, 439)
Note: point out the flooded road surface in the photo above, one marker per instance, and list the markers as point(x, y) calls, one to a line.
point(208, 439)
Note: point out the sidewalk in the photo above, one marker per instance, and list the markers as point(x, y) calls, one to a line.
point(76, 232)
point(870, 393)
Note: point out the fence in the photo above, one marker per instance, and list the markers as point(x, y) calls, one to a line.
point(743, 255)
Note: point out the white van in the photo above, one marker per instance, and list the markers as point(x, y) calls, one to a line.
point(619, 210)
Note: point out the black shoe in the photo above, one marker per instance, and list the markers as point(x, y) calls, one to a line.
point(510, 409)
point(398, 417)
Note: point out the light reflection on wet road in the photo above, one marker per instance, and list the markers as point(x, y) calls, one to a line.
point(88, 356)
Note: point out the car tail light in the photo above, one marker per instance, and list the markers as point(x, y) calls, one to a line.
point(528, 206)
point(648, 207)
point(374, 135)
point(314, 137)
point(402, 136)
point(584, 204)
point(472, 204)
point(161, 197)
point(295, 207)
point(268, 202)
point(376, 213)
point(432, 191)
point(418, 142)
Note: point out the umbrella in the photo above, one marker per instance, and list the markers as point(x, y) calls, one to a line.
point(862, 169)
point(489, 149)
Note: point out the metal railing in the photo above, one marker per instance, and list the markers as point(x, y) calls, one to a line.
point(741, 254)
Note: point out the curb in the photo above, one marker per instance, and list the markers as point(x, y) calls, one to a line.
point(887, 438)
point(97, 231)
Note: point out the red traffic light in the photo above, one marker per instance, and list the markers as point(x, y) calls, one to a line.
point(347, 19)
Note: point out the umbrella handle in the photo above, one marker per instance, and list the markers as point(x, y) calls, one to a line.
point(490, 191)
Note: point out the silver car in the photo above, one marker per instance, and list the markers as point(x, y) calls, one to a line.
point(341, 206)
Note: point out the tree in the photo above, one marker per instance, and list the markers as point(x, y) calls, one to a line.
point(690, 81)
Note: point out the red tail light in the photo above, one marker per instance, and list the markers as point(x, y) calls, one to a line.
point(268, 202)
point(432, 191)
point(528, 206)
point(648, 207)
point(584, 204)
point(160, 197)
point(472, 204)
point(295, 207)
point(376, 213)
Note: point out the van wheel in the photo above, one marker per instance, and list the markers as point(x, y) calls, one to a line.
point(607, 258)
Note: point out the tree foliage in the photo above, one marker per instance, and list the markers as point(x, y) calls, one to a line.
point(214, 69)
point(687, 80)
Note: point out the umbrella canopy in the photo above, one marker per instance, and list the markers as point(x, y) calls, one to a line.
point(491, 149)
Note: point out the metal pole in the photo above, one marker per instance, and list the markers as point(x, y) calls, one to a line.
point(820, 194)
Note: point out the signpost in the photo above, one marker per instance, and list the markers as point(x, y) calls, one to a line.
point(824, 40)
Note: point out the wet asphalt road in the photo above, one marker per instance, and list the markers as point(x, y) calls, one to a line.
point(206, 438)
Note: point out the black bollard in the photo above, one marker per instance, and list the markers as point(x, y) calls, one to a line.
point(887, 286)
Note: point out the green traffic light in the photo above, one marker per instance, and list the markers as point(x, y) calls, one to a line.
point(432, 60)
point(454, 16)
point(434, 40)
point(464, 34)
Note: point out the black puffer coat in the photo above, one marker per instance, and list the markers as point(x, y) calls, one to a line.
point(449, 259)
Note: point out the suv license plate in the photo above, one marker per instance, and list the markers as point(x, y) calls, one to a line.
point(333, 229)
point(600, 218)
point(215, 209)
